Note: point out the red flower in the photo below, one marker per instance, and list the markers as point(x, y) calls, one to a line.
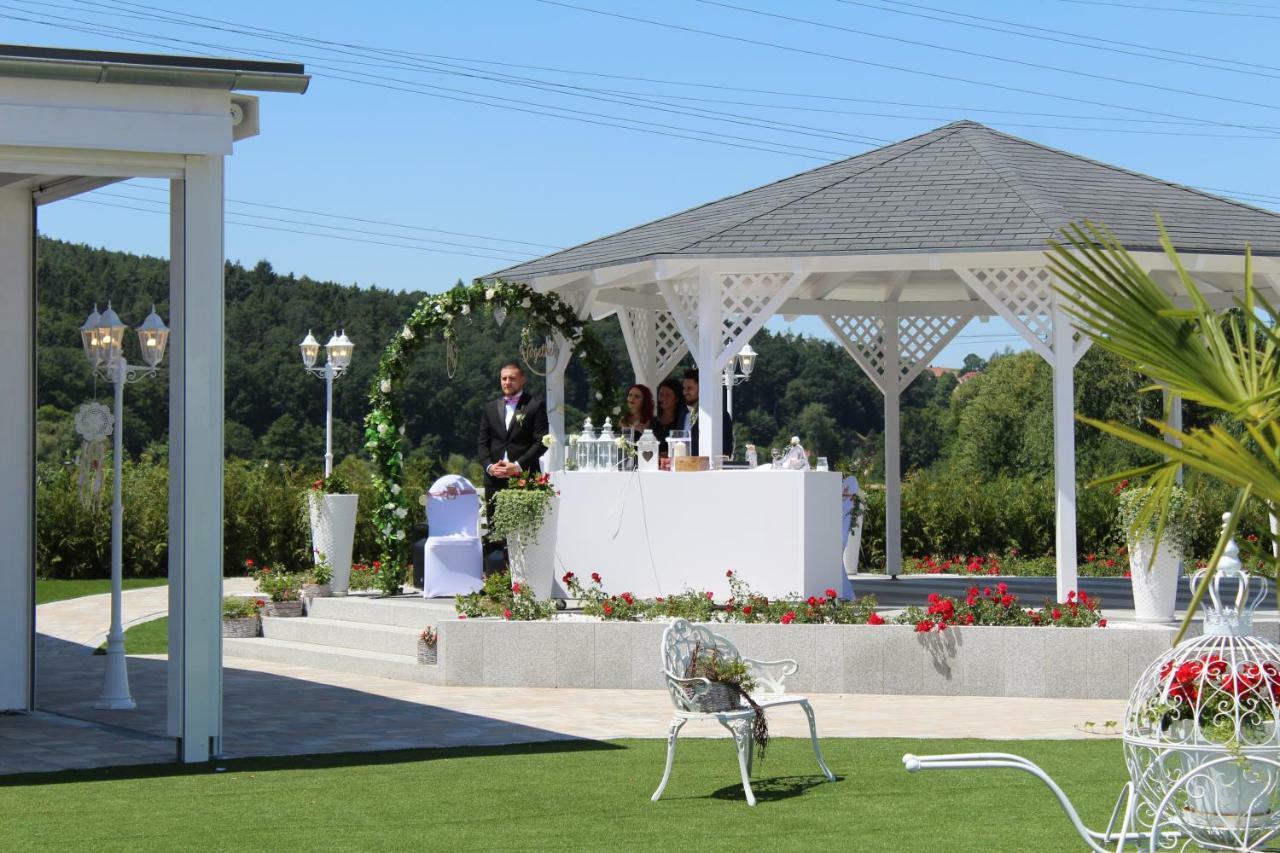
point(627, 597)
point(729, 573)
point(746, 609)
point(831, 594)
point(506, 614)
point(788, 617)
point(710, 596)
point(1091, 556)
point(1002, 587)
point(875, 619)
point(249, 563)
point(1111, 564)
point(260, 603)
point(1057, 614)
point(462, 616)
point(924, 626)
point(1102, 623)
point(812, 601)
point(515, 587)
point(968, 619)
point(608, 609)
point(1071, 595)
point(595, 577)
point(568, 578)
point(659, 599)
point(1007, 600)
point(377, 565)
point(986, 591)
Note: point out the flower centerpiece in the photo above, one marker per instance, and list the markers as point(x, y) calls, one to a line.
point(331, 509)
point(524, 516)
point(282, 588)
point(427, 645)
point(240, 616)
point(1143, 521)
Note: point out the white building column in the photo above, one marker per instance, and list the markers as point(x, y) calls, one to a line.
point(195, 459)
point(710, 382)
point(1064, 450)
point(892, 449)
point(17, 462)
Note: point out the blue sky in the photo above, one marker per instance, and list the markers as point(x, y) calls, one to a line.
point(411, 157)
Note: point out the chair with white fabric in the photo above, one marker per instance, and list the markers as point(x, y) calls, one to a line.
point(452, 558)
point(851, 545)
point(680, 641)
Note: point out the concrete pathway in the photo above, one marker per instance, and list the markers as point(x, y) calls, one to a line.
point(82, 623)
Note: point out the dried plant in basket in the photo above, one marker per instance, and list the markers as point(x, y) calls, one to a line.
point(731, 672)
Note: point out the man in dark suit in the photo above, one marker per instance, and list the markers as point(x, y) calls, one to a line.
point(689, 420)
point(511, 431)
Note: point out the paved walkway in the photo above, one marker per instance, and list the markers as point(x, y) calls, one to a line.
point(340, 712)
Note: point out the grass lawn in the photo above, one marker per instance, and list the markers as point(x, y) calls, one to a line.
point(578, 795)
point(50, 590)
point(146, 638)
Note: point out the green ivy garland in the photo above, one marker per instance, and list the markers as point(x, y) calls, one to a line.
point(384, 425)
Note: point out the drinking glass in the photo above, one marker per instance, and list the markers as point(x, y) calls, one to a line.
point(822, 464)
point(776, 454)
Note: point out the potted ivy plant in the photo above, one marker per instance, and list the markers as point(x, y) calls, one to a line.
point(331, 508)
point(525, 516)
point(1154, 569)
point(240, 616)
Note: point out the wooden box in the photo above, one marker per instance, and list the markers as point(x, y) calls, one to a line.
point(691, 463)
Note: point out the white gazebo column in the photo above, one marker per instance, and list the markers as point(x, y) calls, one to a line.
point(892, 451)
point(710, 334)
point(195, 459)
point(17, 462)
point(555, 387)
point(1064, 451)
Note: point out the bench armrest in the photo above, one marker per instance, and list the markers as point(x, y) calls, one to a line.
point(769, 675)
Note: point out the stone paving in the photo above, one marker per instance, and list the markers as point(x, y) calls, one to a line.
point(272, 709)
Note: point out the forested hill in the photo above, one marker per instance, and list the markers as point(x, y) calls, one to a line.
point(274, 410)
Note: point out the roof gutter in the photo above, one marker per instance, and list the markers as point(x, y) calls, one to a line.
point(93, 71)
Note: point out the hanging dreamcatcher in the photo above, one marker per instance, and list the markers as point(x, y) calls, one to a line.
point(94, 423)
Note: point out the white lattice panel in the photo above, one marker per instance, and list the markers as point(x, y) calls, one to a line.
point(685, 292)
point(1026, 292)
point(864, 339)
point(920, 339)
point(668, 346)
point(637, 325)
point(745, 296)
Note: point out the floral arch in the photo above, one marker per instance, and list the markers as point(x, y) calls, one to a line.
point(440, 314)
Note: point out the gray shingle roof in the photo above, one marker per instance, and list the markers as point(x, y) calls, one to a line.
point(960, 187)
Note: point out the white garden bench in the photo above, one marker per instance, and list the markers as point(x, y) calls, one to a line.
point(679, 641)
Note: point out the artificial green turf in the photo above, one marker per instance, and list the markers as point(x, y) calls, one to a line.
point(59, 590)
point(575, 795)
point(145, 638)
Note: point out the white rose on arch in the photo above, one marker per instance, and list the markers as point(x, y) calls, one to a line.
point(395, 488)
point(385, 386)
point(548, 440)
point(406, 333)
point(526, 303)
point(466, 309)
point(382, 429)
point(489, 294)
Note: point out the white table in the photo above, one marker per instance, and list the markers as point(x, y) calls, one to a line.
point(656, 533)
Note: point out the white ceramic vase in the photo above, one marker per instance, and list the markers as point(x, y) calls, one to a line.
point(1229, 795)
point(533, 556)
point(333, 533)
point(1154, 590)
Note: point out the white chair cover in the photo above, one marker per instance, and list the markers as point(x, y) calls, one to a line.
point(452, 559)
point(848, 491)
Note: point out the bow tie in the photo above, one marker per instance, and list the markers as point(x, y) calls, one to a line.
point(511, 400)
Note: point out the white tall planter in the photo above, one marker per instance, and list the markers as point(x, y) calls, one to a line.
point(333, 533)
point(533, 557)
point(1154, 591)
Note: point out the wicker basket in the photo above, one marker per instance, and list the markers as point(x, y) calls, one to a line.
point(717, 698)
point(426, 653)
point(284, 608)
point(240, 628)
point(317, 590)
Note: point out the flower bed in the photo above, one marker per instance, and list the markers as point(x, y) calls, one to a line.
point(1105, 562)
point(997, 606)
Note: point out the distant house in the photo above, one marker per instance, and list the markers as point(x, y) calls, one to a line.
point(965, 377)
point(939, 372)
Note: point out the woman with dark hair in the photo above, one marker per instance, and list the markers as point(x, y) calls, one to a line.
point(669, 410)
point(639, 412)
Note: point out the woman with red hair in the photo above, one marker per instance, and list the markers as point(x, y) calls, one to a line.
point(639, 412)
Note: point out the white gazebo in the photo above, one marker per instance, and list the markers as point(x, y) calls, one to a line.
point(897, 250)
point(72, 121)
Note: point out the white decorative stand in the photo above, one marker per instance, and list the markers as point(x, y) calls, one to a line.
point(533, 555)
point(1199, 736)
point(1155, 590)
point(333, 533)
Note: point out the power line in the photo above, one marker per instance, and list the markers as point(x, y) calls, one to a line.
point(367, 221)
point(988, 56)
point(1178, 57)
point(904, 69)
point(305, 233)
point(1173, 9)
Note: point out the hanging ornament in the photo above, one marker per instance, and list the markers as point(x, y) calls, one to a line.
point(94, 423)
point(499, 315)
point(450, 356)
point(543, 353)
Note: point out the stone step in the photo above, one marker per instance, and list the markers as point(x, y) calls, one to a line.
point(377, 664)
point(396, 612)
point(343, 634)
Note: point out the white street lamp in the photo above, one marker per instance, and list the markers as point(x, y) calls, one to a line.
point(103, 338)
point(738, 369)
point(338, 358)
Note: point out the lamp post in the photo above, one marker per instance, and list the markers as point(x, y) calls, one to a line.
point(738, 370)
point(338, 358)
point(103, 338)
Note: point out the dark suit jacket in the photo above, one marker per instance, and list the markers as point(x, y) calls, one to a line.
point(726, 444)
point(522, 443)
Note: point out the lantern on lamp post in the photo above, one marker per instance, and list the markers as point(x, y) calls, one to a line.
point(738, 369)
point(337, 359)
point(102, 336)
